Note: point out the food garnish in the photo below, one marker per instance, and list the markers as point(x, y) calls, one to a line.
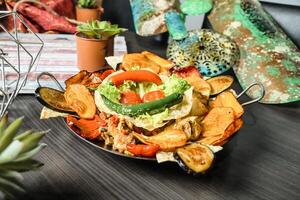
point(144, 150)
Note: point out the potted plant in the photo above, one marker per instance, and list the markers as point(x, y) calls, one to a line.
point(87, 10)
point(94, 42)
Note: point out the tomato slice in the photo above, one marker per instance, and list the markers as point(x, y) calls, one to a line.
point(187, 72)
point(106, 74)
point(154, 95)
point(130, 97)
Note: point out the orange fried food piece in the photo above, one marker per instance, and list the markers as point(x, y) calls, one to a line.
point(227, 99)
point(77, 78)
point(165, 65)
point(137, 60)
point(79, 98)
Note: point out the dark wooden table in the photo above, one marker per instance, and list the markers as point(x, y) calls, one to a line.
point(261, 162)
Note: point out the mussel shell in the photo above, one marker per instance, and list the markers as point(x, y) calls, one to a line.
point(189, 160)
point(53, 99)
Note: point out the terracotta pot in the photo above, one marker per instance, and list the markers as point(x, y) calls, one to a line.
point(91, 53)
point(87, 14)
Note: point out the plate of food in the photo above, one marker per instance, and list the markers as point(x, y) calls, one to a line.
point(146, 109)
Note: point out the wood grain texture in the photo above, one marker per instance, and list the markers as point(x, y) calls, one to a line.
point(260, 162)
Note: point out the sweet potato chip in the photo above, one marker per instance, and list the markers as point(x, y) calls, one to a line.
point(81, 101)
point(227, 99)
point(219, 84)
point(76, 78)
point(216, 121)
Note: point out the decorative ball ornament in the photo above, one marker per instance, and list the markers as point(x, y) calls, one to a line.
point(212, 53)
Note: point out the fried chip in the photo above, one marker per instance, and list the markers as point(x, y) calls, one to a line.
point(76, 78)
point(134, 60)
point(198, 108)
point(227, 99)
point(81, 101)
point(165, 65)
point(216, 121)
point(219, 84)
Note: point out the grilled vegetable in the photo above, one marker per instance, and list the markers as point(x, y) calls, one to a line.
point(167, 140)
point(143, 149)
point(53, 99)
point(137, 76)
point(142, 108)
point(81, 101)
point(219, 84)
point(194, 158)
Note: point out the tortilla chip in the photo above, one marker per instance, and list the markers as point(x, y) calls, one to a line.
point(198, 108)
point(217, 120)
point(227, 99)
point(165, 65)
point(134, 60)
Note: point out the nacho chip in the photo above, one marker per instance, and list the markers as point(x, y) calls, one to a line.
point(219, 84)
point(165, 65)
point(227, 99)
point(216, 121)
point(134, 61)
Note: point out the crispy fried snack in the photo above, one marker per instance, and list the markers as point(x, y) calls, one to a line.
point(227, 99)
point(165, 65)
point(81, 101)
point(91, 80)
point(219, 84)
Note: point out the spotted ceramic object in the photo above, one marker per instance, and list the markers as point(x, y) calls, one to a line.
point(268, 55)
point(211, 52)
point(149, 16)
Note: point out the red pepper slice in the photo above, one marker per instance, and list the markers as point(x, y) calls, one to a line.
point(144, 150)
point(137, 76)
point(190, 71)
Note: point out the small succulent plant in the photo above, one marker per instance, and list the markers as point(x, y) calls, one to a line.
point(87, 3)
point(99, 29)
point(16, 152)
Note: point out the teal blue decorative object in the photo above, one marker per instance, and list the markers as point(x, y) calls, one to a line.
point(175, 25)
point(212, 53)
point(196, 7)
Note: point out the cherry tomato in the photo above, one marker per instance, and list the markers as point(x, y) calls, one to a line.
point(154, 95)
point(130, 97)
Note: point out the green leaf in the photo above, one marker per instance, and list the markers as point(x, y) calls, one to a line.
point(22, 166)
point(3, 123)
point(10, 188)
point(23, 135)
point(10, 133)
point(12, 176)
point(31, 141)
point(11, 152)
point(31, 153)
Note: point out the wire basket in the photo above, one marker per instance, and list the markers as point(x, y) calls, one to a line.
point(13, 70)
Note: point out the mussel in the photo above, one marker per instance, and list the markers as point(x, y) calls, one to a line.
point(194, 158)
point(53, 99)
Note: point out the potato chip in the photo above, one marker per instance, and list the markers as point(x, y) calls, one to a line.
point(198, 108)
point(137, 60)
point(216, 121)
point(165, 65)
point(219, 84)
point(227, 99)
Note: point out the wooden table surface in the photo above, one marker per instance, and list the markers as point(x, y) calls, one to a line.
point(261, 162)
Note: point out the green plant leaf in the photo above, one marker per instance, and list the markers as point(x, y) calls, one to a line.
point(11, 152)
point(22, 166)
point(9, 133)
point(31, 153)
point(12, 176)
point(31, 141)
point(23, 135)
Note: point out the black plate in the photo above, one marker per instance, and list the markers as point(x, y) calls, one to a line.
point(100, 145)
